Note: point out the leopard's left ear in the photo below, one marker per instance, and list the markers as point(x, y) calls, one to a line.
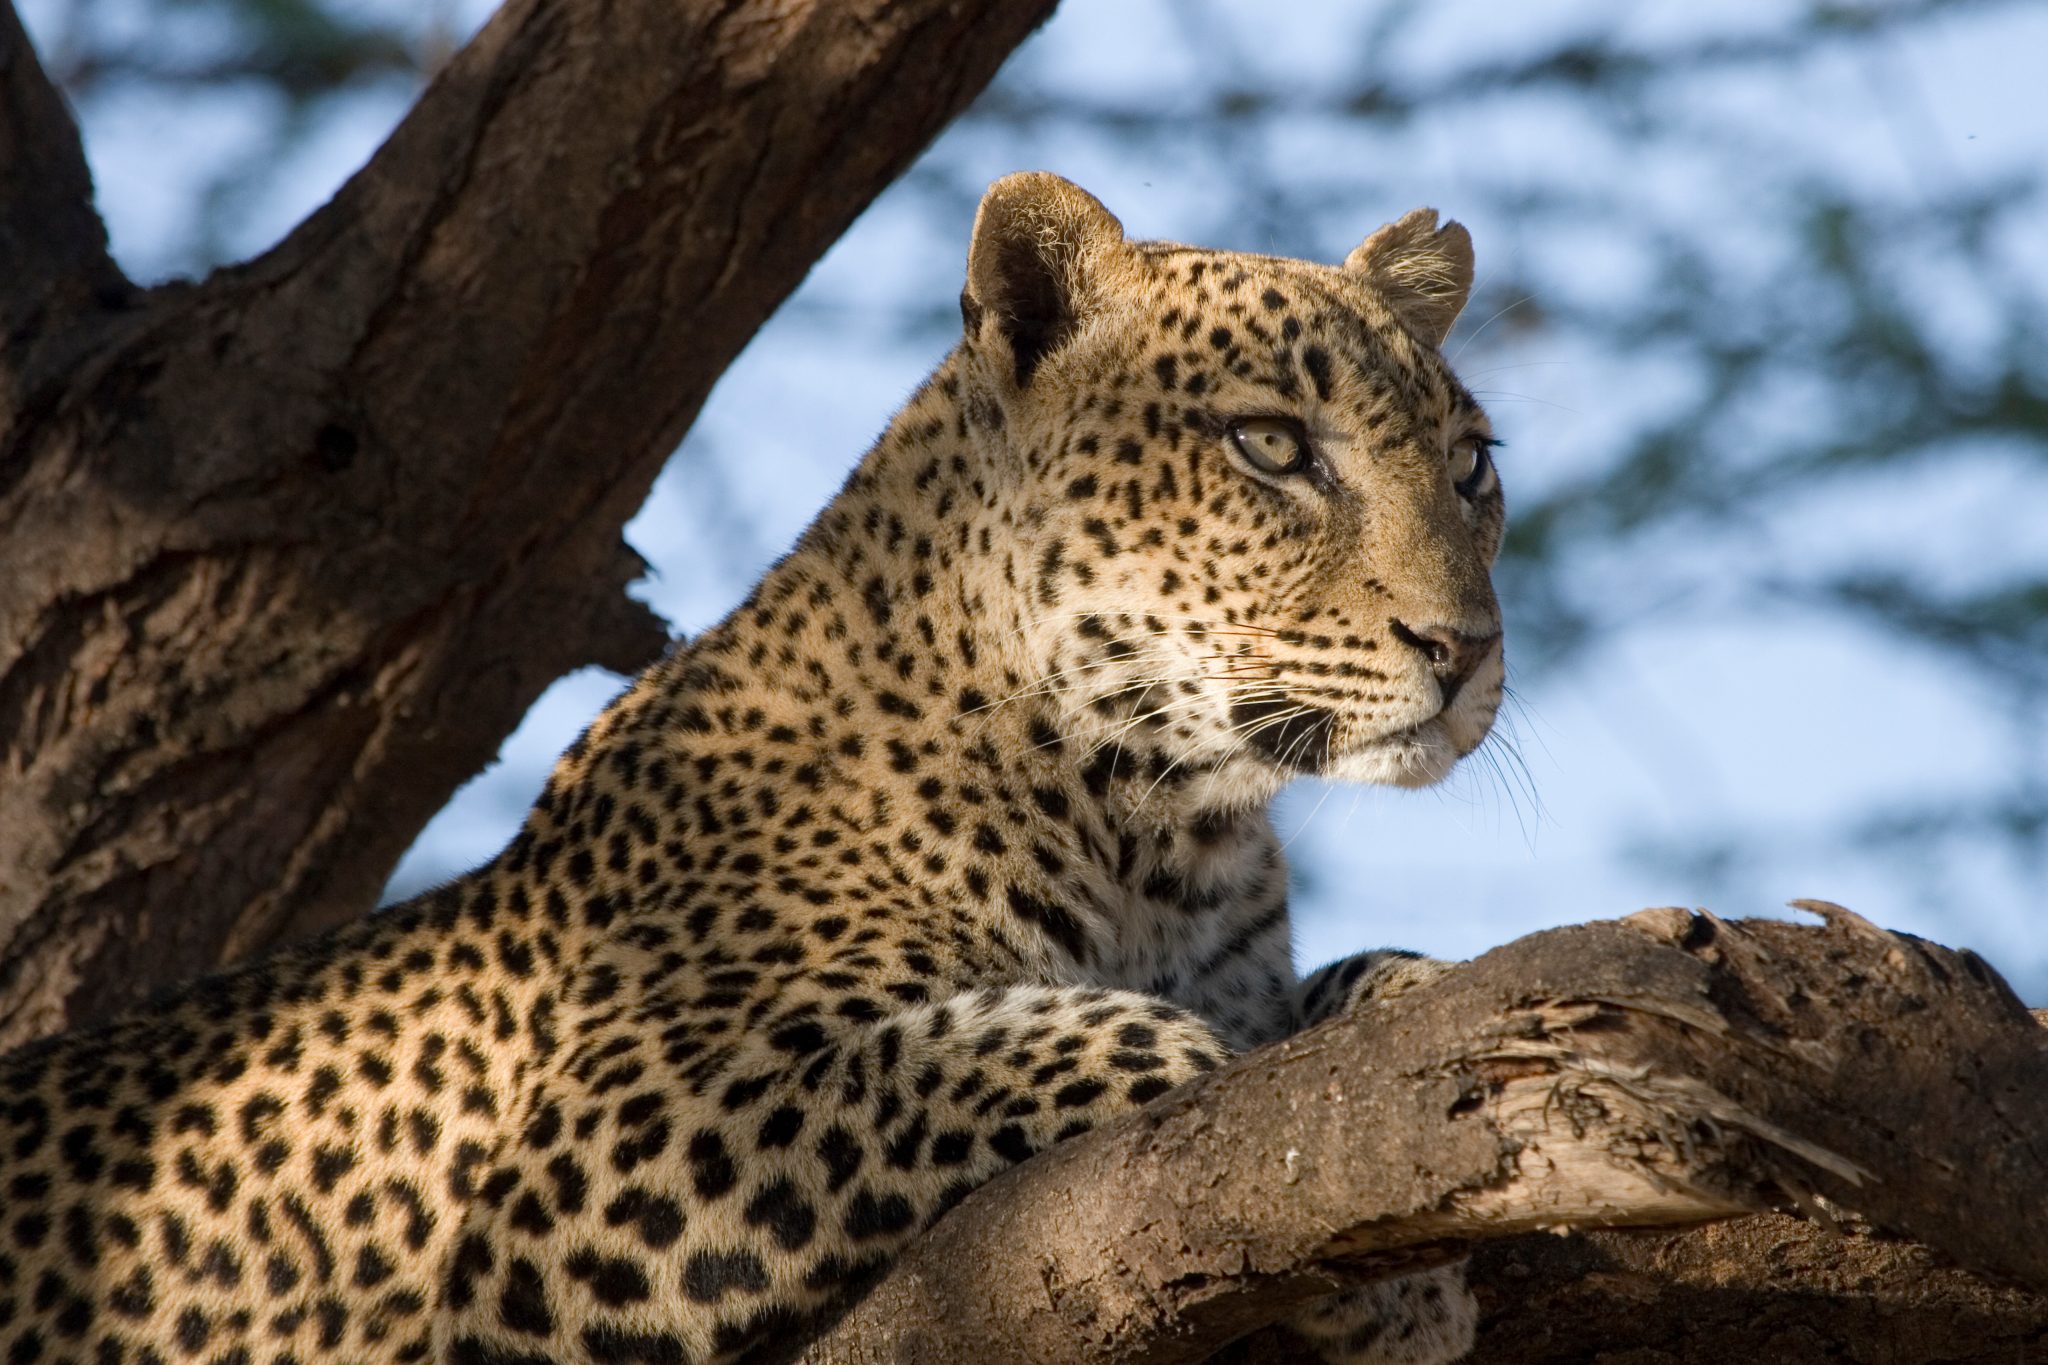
point(1037, 240)
point(1424, 270)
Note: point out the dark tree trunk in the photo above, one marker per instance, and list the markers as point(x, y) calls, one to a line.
point(284, 555)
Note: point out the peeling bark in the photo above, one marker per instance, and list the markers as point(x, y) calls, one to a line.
point(1666, 1070)
point(286, 553)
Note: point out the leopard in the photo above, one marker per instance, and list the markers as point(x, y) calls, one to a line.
point(951, 843)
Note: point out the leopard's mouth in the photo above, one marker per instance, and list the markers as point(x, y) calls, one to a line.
point(1307, 739)
point(1420, 755)
point(1293, 734)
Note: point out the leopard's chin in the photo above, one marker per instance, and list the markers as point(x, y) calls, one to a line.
point(1420, 756)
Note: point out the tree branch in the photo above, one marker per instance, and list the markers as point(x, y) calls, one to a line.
point(1668, 1069)
point(289, 552)
point(53, 246)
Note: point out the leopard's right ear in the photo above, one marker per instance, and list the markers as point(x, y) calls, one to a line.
point(1036, 237)
point(1425, 271)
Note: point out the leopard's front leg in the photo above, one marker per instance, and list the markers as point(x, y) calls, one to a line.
point(1423, 1319)
point(672, 1198)
point(1377, 974)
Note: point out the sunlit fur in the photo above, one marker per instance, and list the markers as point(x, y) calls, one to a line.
point(1182, 584)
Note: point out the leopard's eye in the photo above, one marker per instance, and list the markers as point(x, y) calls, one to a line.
point(1271, 445)
point(1472, 464)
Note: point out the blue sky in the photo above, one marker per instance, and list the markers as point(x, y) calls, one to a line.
point(1698, 719)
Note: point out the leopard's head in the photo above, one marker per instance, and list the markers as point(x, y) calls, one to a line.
point(1250, 509)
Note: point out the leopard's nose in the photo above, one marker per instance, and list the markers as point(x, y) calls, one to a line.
point(1452, 655)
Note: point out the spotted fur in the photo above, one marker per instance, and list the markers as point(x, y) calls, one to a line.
point(950, 843)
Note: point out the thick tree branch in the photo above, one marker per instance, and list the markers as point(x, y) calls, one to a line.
point(53, 247)
point(287, 553)
point(1668, 1069)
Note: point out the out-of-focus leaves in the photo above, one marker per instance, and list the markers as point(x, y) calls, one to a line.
point(300, 60)
point(296, 48)
point(2001, 631)
point(299, 50)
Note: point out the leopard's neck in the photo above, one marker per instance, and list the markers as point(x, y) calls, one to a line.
point(877, 685)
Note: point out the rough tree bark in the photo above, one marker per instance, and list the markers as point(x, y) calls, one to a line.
point(1664, 1070)
point(285, 554)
